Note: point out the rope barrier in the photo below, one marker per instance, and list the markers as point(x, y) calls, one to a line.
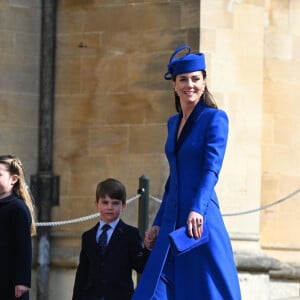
point(251, 210)
point(77, 220)
point(93, 216)
point(262, 207)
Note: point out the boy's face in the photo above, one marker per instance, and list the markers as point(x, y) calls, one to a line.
point(109, 209)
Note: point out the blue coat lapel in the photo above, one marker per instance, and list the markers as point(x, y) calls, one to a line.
point(189, 124)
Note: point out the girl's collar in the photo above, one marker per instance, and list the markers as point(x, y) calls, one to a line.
point(8, 199)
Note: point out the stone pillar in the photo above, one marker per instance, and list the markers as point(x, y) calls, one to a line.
point(235, 76)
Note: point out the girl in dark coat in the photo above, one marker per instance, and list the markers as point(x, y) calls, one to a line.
point(195, 148)
point(16, 228)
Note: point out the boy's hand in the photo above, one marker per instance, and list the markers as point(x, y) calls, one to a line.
point(151, 236)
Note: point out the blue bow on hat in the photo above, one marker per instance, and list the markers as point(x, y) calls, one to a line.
point(189, 62)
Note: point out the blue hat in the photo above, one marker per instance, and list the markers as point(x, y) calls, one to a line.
point(189, 62)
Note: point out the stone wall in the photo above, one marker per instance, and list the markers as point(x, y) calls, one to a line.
point(253, 48)
point(19, 80)
point(112, 102)
point(281, 139)
point(235, 63)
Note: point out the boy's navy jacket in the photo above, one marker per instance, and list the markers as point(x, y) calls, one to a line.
point(110, 275)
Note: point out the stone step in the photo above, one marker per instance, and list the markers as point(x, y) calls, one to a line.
point(289, 298)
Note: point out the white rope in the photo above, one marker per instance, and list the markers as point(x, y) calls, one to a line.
point(262, 207)
point(155, 199)
point(59, 223)
point(93, 216)
point(77, 220)
point(251, 210)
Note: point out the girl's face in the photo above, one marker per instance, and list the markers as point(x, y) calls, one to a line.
point(109, 209)
point(7, 181)
point(189, 87)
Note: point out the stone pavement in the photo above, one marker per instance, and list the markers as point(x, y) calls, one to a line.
point(290, 298)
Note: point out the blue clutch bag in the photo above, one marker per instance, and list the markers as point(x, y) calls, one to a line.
point(181, 243)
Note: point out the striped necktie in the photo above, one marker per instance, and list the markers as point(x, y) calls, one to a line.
point(102, 241)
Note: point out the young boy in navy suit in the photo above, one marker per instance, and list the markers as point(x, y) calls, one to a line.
point(109, 255)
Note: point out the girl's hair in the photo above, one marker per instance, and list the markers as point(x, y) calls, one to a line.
point(15, 167)
point(207, 97)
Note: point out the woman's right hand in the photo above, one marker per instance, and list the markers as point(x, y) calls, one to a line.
point(151, 236)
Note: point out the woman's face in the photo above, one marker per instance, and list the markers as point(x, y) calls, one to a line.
point(189, 87)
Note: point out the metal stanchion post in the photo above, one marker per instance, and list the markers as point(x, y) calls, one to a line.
point(143, 218)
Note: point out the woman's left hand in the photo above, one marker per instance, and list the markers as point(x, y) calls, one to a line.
point(195, 224)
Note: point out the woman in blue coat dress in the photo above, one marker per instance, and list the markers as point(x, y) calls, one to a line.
point(195, 148)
